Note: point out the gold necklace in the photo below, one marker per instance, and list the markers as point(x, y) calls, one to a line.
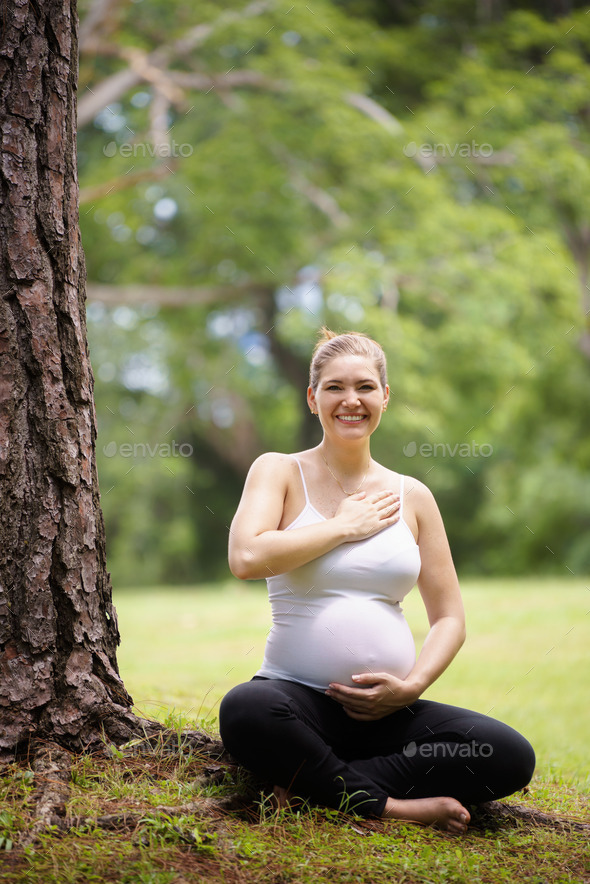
point(348, 493)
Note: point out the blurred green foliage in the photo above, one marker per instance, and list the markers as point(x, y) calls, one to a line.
point(448, 217)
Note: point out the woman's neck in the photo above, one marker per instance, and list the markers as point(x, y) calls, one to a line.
point(348, 459)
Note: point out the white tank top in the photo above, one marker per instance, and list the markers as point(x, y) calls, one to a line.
point(339, 615)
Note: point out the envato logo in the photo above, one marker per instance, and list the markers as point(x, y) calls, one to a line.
point(147, 149)
point(448, 750)
point(460, 149)
point(144, 449)
point(443, 449)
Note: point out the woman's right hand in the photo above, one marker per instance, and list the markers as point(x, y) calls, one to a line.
point(258, 549)
point(367, 514)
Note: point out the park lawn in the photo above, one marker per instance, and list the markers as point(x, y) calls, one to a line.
point(525, 660)
point(183, 648)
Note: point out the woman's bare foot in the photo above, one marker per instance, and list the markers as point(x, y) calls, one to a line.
point(444, 813)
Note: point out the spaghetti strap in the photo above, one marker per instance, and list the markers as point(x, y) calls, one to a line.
point(302, 480)
point(401, 496)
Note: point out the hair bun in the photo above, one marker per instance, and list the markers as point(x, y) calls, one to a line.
point(325, 334)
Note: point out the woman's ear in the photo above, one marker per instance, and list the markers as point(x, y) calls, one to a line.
point(386, 399)
point(311, 401)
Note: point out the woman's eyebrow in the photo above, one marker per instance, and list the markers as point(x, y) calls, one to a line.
point(364, 381)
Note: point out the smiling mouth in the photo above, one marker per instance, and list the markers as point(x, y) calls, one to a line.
point(351, 418)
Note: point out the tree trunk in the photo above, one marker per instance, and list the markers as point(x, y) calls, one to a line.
point(58, 629)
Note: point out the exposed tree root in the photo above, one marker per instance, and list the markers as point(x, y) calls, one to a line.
point(495, 812)
point(145, 736)
point(52, 767)
point(169, 742)
point(116, 726)
point(52, 764)
point(204, 808)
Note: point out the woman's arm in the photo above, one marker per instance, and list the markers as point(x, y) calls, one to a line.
point(257, 549)
point(439, 587)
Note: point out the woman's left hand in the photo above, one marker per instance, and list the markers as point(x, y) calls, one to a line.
point(378, 694)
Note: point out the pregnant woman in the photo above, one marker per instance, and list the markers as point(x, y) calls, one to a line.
point(334, 714)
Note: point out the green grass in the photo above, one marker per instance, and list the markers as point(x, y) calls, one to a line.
point(525, 660)
point(308, 846)
point(182, 649)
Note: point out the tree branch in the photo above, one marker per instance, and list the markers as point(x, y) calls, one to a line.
point(104, 93)
point(114, 87)
point(155, 173)
point(375, 111)
point(158, 76)
point(174, 296)
point(100, 20)
point(319, 198)
point(206, 82)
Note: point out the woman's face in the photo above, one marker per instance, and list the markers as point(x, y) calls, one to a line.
point(349, 398)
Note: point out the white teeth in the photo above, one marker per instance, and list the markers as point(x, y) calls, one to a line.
point(351, 418)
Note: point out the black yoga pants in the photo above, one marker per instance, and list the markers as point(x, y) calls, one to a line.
point(294, 736)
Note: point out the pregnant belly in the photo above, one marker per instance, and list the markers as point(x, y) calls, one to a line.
point(343, 639)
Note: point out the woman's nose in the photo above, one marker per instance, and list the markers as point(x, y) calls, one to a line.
point(351, 399)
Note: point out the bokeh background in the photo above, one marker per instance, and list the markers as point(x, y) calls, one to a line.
point(417, 171)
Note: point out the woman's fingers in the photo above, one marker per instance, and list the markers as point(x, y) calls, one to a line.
point(386, 499)
point(382, 495)
point(367, 515)
point(389, 505)
point(356, 699)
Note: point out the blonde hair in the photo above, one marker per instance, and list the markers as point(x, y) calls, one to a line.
point(332, 344)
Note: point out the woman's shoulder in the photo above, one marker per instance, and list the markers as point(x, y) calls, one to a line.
point(274, 464)
point(422, 503)
point(419, 492)
point(411, 483)
point(279, 458)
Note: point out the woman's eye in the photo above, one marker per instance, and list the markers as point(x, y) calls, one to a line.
point(366, 387)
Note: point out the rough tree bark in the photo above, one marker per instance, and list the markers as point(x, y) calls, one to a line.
point(58, 629)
